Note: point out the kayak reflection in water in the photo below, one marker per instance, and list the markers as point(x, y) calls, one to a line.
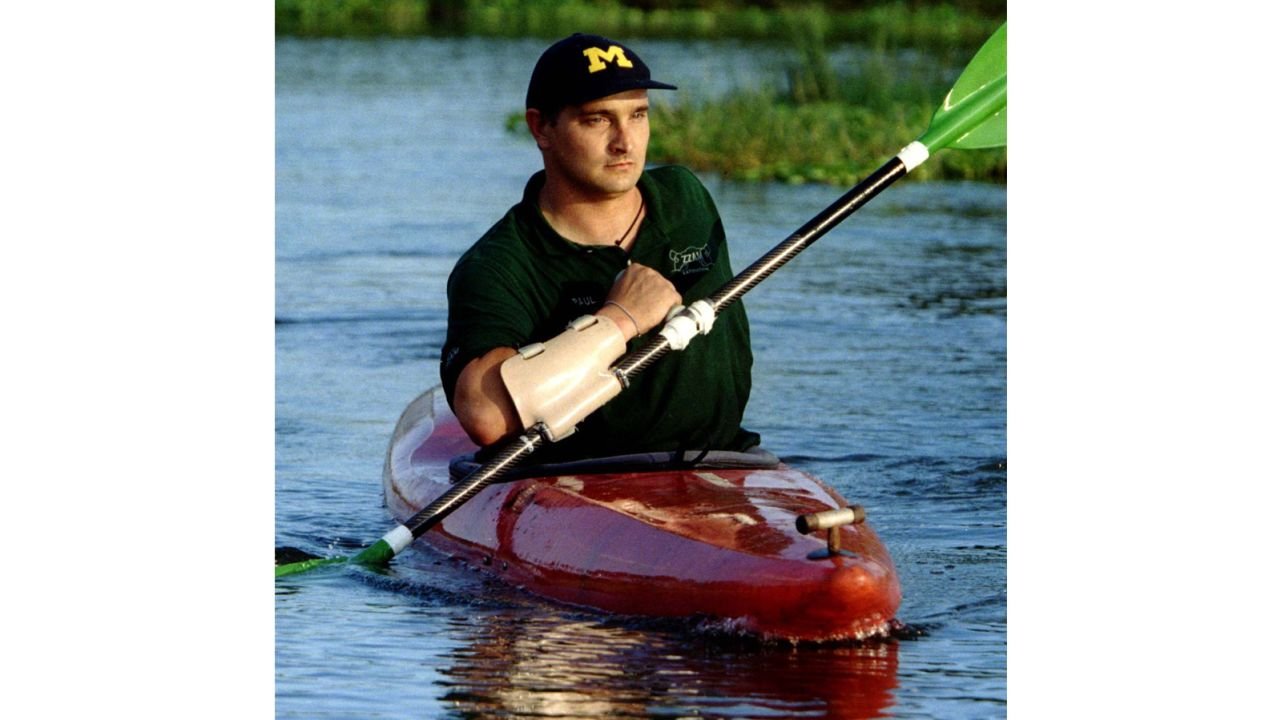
point(603, 243)
point(520, 662)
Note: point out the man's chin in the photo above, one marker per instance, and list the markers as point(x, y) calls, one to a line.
point(619, 181)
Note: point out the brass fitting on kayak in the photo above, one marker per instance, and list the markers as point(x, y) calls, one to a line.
point(831, 521)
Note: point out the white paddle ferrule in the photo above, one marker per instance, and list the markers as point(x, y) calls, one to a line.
point(398, 539)
point(560, 382)
point(685, 322)
point(914, 155)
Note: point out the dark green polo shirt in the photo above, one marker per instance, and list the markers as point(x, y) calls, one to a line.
point(522, 282)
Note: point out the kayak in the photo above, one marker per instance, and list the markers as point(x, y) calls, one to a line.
point(712, 536)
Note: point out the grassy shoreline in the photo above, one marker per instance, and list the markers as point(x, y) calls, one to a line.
point(832, 143)
point(895, 23)
point(817, 124)
point(813, 125)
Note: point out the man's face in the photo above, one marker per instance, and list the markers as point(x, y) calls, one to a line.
point(599, 147)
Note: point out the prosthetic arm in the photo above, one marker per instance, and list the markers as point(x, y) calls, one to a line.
point(563, 380)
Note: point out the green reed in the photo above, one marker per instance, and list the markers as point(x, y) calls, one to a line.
point(817, 123)
point(917, 24)
point(756, 135)
point(821, 124)
point(352, 18)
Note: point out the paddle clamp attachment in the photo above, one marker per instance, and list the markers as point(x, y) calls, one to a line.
point(558, 383)
point(685, 322)
point(831, 521)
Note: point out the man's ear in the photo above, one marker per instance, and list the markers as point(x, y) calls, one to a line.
point(537, 128)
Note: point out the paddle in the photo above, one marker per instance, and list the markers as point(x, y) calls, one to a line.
point(971, 116)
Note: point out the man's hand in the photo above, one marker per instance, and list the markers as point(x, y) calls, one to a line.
point(645, 296)
point(483, 406)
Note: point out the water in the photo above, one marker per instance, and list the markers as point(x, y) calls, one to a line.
point(880, 366)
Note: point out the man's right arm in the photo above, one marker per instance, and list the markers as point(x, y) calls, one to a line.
point(480, 398)
point(481, 402)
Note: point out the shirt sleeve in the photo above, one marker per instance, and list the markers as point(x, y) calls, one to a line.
point(486, 311)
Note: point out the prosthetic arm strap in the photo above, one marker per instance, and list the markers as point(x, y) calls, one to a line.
point(560, 382)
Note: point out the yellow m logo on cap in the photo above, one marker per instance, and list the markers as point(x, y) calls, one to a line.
point(599, 57)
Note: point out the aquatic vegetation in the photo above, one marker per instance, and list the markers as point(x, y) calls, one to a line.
point(821, 125)
point(352, 18)
point(817, 123)
point(861, 121)
point(935, 26)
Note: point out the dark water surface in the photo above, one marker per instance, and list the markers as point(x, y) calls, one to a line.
point(880, 367)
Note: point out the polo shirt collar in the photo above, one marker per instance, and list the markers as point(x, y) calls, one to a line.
point(546, 240)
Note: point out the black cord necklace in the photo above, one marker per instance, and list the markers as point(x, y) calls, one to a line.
point(636, 219)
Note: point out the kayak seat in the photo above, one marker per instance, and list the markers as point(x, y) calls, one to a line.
point(756, 458)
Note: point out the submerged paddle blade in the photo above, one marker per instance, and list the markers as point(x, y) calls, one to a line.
point(378, 554)
point(973, 115)
point(288, 554)
point(300, 567)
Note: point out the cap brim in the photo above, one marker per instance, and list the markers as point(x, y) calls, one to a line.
point(620, 87)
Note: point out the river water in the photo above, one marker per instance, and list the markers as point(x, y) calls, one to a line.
point(880, 367)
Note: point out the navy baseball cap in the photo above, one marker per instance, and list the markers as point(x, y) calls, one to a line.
point(581, 68)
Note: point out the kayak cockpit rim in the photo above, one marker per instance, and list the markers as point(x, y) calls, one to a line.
point(756, 458)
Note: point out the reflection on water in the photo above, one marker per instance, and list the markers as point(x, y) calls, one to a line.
point(529, 665)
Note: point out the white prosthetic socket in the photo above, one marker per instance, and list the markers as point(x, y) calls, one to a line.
point(560, 382)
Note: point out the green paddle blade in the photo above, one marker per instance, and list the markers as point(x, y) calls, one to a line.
point(973, 114)
point(304, 565)
point(378, 554)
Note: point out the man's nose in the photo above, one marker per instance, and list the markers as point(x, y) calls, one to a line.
point(621, 140)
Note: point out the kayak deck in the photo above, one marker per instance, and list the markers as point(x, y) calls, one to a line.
point(713, 542)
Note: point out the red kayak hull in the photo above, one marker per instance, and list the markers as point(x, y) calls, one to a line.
point(719, 544)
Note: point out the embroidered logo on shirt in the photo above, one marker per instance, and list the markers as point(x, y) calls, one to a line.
point(690, 260)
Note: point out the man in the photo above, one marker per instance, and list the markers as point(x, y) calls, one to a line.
point(597, 236)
